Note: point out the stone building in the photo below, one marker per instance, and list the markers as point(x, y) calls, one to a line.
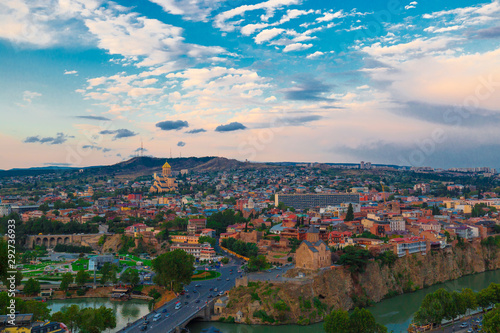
point(313, 255)
point(164, 182)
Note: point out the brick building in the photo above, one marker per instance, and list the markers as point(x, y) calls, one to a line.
point(313, 255)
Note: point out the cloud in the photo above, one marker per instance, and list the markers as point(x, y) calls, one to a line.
point(119, 133)
point(181, 144)
point(28, 96)
point(269, 6)
point(57, 164)
point(268, 34)
point(297, 47)
point(169, 125)
point(493, 32)
point(309, 89)
point(412, 5)
point(315, 55)
point(94, 147)
point(234, 126)
point(70, 72)
point(140, 149)
point(93, 118)
point(301, 120)
point(196, 130)
point(331, 16)
point(60, 138)
point(192, 10)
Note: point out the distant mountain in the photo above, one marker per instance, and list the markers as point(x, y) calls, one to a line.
point(138, 166)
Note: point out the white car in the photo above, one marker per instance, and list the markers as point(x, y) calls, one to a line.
point(157, 317)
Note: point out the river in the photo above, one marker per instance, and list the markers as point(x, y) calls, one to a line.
point(125, 311)
point(395, 313)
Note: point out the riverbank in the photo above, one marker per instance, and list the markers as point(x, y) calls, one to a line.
point(396, 313)
point(309, 301)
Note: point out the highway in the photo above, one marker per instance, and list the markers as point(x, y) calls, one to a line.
point(196, 298)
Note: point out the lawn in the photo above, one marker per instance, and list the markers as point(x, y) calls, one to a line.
point(205, 275)
point(80, 265)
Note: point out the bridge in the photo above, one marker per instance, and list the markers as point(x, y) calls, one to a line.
point(50, 241)
point(197, 304)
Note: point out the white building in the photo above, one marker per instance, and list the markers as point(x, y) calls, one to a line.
point(397, 224)
point(5, 210)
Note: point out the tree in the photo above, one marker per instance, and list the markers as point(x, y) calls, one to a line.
point(130, 276)
point(81, 278)
point(173, 269)
point(87, 319)
point(207, 239)
point(491, 320)
point(225, 260)
point(350, 213)
point(362, 321)
point(359, 321)
point(32, 287)
point(257, 263)
point(108, 272)
point(69, 315)
point(67, 279)
point(355, 258)
point(337, 322)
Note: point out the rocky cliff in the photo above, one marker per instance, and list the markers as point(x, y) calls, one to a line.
point(309, 301)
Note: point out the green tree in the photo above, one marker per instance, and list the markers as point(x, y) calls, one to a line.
point(173, 269)
point(356, 258)
point(130, 276)
point(207, 239)
point(67, 279)
point(81, 278)
point(31, 287)
point(491, 320)
point(257, 263)
point(350, 213)
point(362, 321)
point(69, 315)
point(337, 322)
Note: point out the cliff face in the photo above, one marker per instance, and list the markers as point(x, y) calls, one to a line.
point(308, 302)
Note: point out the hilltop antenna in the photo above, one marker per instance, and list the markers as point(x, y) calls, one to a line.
point(170, 152)
point(142, 149)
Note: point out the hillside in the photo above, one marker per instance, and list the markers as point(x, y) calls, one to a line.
point(139, 166)
point(308, 301)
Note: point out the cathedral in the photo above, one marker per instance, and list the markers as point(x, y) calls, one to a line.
point(164, 182)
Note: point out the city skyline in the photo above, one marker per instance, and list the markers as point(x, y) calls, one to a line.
point(399, 82)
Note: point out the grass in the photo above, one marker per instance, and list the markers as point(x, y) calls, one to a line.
point(205, 275)
point(80, 265)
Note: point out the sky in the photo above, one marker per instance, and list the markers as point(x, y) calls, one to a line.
point(86, 82)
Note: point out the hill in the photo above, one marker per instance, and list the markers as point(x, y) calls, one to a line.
point(146, 165)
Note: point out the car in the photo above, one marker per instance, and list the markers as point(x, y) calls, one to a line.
point(164, 310)
point(144, 327)
point(198, 285)
point(146, 322)
point(197, 301)
point(157, 317)
point(210, 289)
point(230, 272)
point(210, 296)
point(215, 289)
point(278, 268)
point(227, 279)
point(187, 296)
point(218, 279)
point(178, 306)
point(185, 303)
point(463, 325)
point(221, 293)
point(470, 330)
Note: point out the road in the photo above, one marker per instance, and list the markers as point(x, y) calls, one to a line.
point(196, 298)
point(456, 328)
point(272, 275)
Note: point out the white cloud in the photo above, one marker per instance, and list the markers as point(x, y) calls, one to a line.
point(268, 34)
point(249, 29)
point(293, 14)
point(315, 55)
point(297, 47)
point(270, 99)
point(327, 17)
point(269, 6)
point(28, 96)
point(70, 72)
point(195, 10)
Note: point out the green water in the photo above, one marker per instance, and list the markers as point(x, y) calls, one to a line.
point(125, 312)
point(395, 313)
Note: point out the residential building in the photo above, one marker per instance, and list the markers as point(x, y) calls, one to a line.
point(410, 245)
point(304, 201)
point(196, 225)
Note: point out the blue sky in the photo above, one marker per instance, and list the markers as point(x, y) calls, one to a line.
point(405, 82)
